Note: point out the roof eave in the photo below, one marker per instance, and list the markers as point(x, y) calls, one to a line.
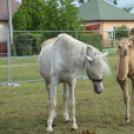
point(107, 20)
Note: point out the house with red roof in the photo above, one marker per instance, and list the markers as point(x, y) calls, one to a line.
point(4, 16)
point(4, 23)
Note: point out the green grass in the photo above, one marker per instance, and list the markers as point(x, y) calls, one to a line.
point(22, 70)
point(109, 49)
point(24, 109)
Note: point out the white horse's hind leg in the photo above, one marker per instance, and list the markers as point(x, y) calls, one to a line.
point(72, 103)
point(53, 86)
point(47, 83)
point(65, 96)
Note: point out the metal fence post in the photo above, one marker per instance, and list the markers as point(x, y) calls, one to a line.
point(114, 35)
point(9, 58)
point(76, 35)
point(9, 68)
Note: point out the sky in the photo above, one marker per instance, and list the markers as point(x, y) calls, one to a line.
point(124, 3)
point(121, 3)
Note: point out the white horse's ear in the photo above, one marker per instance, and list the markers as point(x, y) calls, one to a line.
point(89, 51)
point(89, 58)
point(104, 55)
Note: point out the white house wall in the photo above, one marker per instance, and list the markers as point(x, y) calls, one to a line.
point(3, 29)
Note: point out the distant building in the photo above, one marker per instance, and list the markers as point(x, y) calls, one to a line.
point(4, 16)
point(4, 23)
point(99, 15)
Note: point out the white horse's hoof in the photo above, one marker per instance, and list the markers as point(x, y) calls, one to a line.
point(75, 127)
point(66, 117)
point(49, 129)
point(67, 120)
point(127, 121)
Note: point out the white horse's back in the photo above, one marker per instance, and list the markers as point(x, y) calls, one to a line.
point(64, 56)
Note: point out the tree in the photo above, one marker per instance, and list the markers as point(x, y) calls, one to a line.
point(115, 2)
point(60, 15)
point(121, 32)
point(34, 9)
point(82, 1)
point(51, 16)
point(29, 15)
point(128, 8)
point(20, 20)
point(46, 15)
point(68, 15)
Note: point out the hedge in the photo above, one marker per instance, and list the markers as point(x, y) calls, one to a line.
point(92, 39)
point(13, 50)
point(27, 44)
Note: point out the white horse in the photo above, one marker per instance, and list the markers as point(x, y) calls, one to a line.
point(62, 61)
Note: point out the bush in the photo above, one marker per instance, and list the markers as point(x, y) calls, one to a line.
point(13, 50)
point(121, 32)
point(27, 44)
point(38, 38)
point(92, 39)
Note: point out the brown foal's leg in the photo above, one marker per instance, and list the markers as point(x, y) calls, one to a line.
point(124, 88)
point(133, 90)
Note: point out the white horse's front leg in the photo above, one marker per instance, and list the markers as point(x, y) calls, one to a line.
point(53, 86)
point(65, 96)
point(47, 83)
point(72, 103)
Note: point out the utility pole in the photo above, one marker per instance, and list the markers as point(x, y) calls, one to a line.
point(9, 43)
point(10, 26)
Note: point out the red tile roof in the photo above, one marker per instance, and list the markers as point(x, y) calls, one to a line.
point(3, 8)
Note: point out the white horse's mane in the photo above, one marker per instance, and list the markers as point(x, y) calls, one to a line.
point(76, 51)
point(68, 44)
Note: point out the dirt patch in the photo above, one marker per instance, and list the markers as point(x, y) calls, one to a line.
point(87, 132)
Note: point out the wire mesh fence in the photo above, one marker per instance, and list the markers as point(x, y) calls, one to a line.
point(26, 46)
point(25, 109)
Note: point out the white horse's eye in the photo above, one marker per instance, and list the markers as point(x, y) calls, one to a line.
point(95, 54)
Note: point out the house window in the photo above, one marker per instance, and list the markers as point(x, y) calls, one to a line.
point(129, 28)
point(110, 33)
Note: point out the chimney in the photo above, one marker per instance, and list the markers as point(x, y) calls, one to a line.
point(84, 1)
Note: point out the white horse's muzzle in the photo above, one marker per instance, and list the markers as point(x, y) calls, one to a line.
point(98, 87)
